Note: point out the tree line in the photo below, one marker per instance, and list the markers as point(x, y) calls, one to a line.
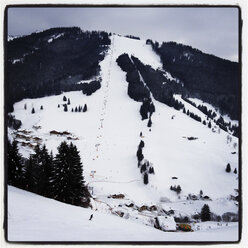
point(199, 73)
point(55, 67)
point(58, 177)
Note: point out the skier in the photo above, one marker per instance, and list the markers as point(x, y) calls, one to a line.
point(91, 217)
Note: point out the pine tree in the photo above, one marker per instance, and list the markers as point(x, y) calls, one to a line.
point(235, 171)
point(25, 106)
point(151, 170)
point(33, 111)
point(46, 170)
point(143, 168)
point(145, 178)
point(139, 154)
point(141, 134)
point(41, 107)
point(149, 124)
point(76, 110)
point(64, 99)
point(65, 108)
point(58, 106)
point(184, 111)
point(228, 168)
point(144, 108)
point(67, 181)
point(178, 189)
point(15, 165)
point(72, 110)
point(205, 213)
point(141, 144)
point(209, 124)
point(69, 102)
point(85, 108)
point(151, 108)
point(35, 171)
point(29, 175)
point(204, 122)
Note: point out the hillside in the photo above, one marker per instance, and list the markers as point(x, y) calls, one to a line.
point(52, 61)
point(181, 150)
point(55, 221)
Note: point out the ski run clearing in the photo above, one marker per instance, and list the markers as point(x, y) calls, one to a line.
point(107, 136)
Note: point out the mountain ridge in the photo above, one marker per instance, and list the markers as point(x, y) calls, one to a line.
point(193, 77)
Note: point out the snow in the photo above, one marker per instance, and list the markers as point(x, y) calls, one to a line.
point(17, 61)
point(37, 218)
point(107, 136)
point(167, 223)
point(54, 37)
point(210, 107)
point(168, 76)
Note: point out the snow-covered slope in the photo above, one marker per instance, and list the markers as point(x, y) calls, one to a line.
point(37, 218)
point(108, 134)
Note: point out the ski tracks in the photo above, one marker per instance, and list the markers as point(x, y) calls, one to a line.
point(105, 86)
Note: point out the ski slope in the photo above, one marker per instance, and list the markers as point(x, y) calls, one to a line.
point(37, 218)
point(107, 136)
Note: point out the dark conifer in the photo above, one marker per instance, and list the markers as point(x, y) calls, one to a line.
point(64, 99)
point(145, 178)
point(33, 111)
point(25, 106)
point(204, 122)
point(151, 108)
point(235, 171)
point(151, 170)
point(68, 102)
point(58, 106)
point(76, 110)
point(46, 170)
point(205, 213)
point(41, 107)
point(149, 124)
point(15, 165)
point(144, 109)
point(140, 155)
point(228, 168)
point(29, 178)
point(178, 189)
point(65, 108)
point(143, 168)
point(85, 108)
point(184, 111)
point(141, 134)
point(209, 124)
point(72, 110)
point(141, 144)
point(68, 182)
point(33, 172)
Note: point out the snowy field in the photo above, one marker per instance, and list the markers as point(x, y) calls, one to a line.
point(37, 218)
point(107, 136)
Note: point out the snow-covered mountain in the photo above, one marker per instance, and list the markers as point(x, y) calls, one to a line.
point(181, 150)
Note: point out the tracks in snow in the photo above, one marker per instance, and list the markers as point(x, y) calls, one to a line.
point(105, 87)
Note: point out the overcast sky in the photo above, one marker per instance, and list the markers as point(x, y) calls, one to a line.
point(212, 30)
